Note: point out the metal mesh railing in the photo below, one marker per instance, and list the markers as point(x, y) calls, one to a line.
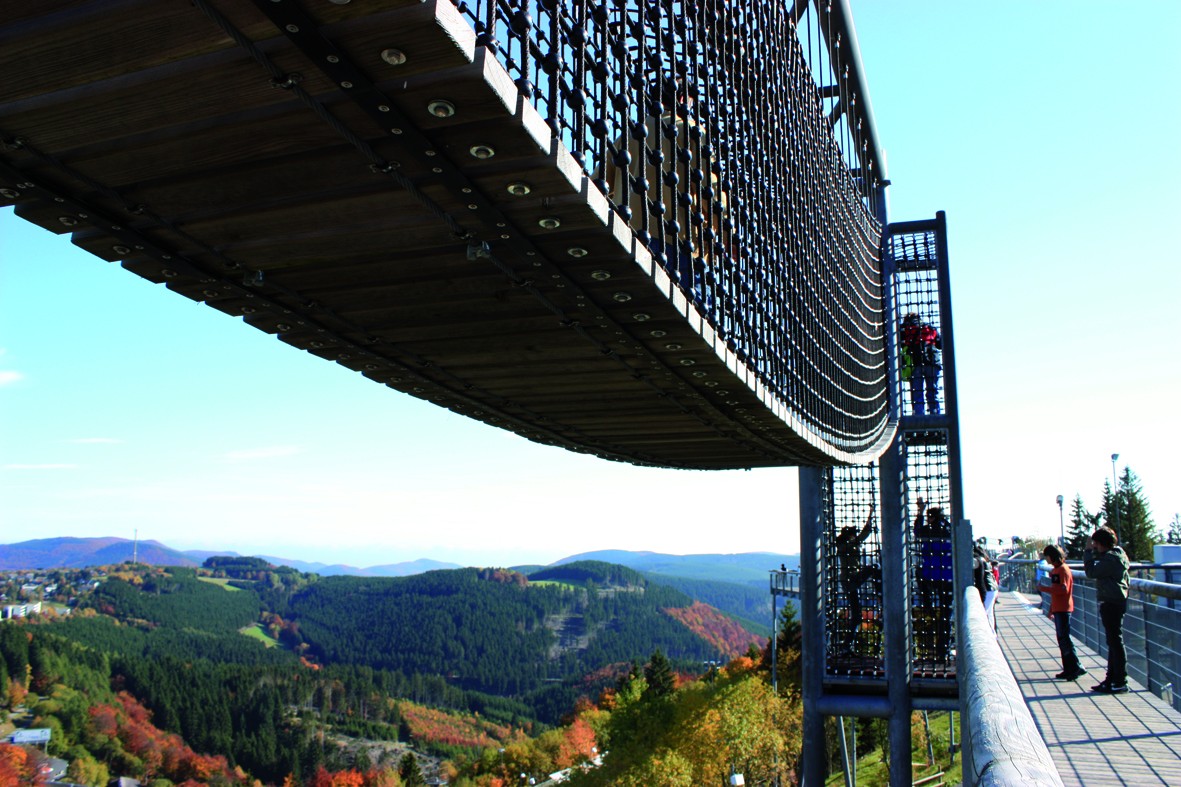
point(852, 573)
point(920, 324)
point(1152, 625)
point(726, 136)
point(930, 547)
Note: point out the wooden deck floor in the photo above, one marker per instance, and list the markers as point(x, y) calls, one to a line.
point(1095, 739)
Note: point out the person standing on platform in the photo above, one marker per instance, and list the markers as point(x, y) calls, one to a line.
point(921, 362)
point(853, 574)
point(1061, 592)
point(985, 581)
point(1106, 563)
point(934, 591)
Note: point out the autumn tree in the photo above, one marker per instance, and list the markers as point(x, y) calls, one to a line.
point(15, 767)
point(699, 732)
point(85, 769)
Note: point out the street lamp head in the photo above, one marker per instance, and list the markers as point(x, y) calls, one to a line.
point(1060, 501)
point(1114, 457)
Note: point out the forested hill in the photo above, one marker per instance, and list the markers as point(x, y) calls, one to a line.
point(496, 630)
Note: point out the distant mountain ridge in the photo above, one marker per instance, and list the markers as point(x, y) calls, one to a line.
point(404, 569)
point(82, 552)
point(746, 568)
point(66, 552)
point(739, 567)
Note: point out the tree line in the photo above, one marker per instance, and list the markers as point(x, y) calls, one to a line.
point(1125, 510)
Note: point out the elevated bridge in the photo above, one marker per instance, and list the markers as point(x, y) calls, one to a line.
point(649, 232)
point(653, 232)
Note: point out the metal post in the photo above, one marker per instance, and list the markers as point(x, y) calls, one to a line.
point(853, 728)
point(950, 392)
point(845, 753)
point(774, 636)
point(812, 624)
point(1115, 498)
point(930, 746)
point(961, 549)
point(896, 612)
point(1061, 528)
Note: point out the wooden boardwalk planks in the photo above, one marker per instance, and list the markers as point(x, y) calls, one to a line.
point(1095, 739)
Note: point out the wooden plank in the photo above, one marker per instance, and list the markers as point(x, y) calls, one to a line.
point(86, 43)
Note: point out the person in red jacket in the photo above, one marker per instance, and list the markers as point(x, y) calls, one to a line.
point(921, 363)
point(1061, 591)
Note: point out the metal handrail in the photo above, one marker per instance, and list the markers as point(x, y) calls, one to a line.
point(1152, 623)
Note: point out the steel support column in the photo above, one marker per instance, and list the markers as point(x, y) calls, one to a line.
point(961, 550)
point(896, 599)
point(812, 623)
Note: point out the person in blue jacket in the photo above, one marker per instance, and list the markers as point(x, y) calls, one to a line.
point(934, 594)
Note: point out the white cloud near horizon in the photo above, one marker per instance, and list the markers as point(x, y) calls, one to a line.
point(41, 467)
point(95, 441)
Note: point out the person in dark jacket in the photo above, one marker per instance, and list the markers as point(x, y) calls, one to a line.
point(934, 591)
point(921, 363)
point(1107, 564)
point(985, 581)
point(853, 574)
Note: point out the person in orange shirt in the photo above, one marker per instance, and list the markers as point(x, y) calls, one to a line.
point(1061, 590)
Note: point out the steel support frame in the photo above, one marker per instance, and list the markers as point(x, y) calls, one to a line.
point(898, 703)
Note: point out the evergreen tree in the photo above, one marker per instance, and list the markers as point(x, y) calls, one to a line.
point(789, 627)
point(1110, 511)
point(1082, 525)
point(1174, 536)
point(1138, 533)
point(659, 674)
point(410, 772)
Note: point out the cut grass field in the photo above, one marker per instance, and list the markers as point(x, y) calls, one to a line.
point(256, 631)
point(222, 582)
point(544, 582)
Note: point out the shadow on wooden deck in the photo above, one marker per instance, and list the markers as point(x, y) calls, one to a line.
point(1095, 739)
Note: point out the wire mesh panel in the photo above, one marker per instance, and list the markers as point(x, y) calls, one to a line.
point(920, 324)
point(727, 138)
point(852, 573)
point(930, 546)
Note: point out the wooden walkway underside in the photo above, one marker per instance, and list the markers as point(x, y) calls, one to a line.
point(265, 185)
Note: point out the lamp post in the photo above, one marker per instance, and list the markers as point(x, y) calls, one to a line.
point(1061, 526)
point(1115, 498)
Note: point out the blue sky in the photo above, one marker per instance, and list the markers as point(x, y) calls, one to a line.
point(1046, 131)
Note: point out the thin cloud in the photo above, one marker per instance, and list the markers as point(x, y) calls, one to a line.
point(41, 467)
point(95, 441)
point(255, 454)
point(8, 377)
